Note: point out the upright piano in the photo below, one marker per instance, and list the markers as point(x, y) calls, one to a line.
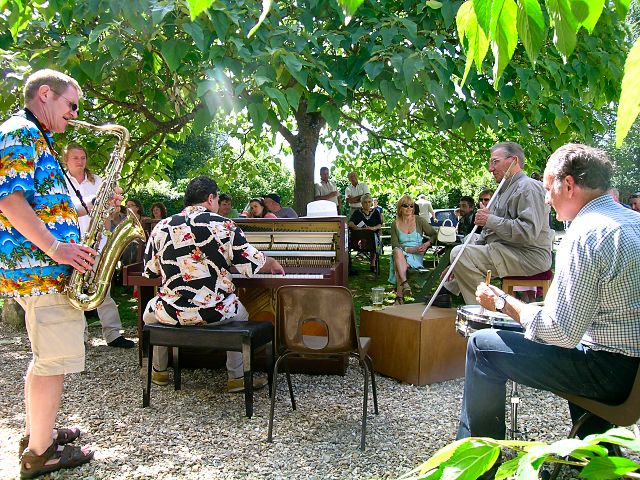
point(312, 251)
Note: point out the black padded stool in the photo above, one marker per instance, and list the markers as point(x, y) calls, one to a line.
point(243, 337)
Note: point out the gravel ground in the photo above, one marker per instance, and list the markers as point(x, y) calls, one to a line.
point(200, 432)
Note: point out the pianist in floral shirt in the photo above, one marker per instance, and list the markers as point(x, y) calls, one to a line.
point(192, 253)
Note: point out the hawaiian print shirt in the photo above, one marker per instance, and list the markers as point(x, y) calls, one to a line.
point(27, 166)
point(192, 252)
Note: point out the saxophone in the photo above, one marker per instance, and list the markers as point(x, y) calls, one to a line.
point(86, 291)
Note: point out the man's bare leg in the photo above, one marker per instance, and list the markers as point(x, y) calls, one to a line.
point(42, 400)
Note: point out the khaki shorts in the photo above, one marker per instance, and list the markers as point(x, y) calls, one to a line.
point(56, 332)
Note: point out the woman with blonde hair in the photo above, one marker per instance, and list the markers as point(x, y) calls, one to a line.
point(411, 236)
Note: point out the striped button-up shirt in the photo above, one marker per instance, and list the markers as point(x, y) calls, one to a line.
point(594, 298)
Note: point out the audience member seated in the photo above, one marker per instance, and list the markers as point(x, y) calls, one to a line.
point(225, 208)
point(466, 216)
point(634, 201)
point(258, 210)
point(411, 236)
point(484, 198)
point(158, 211)
point(367, 218)
point(272, 202)
point(516, 239)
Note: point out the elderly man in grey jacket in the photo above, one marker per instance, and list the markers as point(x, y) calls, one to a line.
point(516, 238)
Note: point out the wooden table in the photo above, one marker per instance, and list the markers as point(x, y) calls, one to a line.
point(413, 350)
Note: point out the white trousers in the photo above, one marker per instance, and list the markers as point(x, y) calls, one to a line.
point(235, 367)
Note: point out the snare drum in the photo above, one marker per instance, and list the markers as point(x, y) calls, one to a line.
point(473, 317)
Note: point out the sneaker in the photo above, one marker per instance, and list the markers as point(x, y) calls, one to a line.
point(443, 300)
point(236, 385)
point(121, 342)
point(160, 378)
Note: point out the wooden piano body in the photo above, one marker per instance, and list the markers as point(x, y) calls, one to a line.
point(312, 251)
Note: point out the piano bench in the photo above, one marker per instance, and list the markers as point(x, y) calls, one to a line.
point(243, 337)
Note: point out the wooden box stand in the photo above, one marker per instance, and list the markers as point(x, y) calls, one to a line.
point(415, 351)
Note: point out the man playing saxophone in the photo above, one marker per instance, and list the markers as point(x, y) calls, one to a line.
point(39, 248)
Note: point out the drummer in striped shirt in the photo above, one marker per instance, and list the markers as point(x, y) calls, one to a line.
point(585, 340)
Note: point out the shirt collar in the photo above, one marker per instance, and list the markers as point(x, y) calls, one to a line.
point(603, 201)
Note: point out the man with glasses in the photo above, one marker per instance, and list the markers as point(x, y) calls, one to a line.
point(39, 248)
point(516, 238)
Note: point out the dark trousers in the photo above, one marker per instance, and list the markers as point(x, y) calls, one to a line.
point(495, 356)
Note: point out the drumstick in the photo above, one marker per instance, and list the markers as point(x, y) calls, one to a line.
point(488, 279)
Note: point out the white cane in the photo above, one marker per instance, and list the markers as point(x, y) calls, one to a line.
point(464, 245)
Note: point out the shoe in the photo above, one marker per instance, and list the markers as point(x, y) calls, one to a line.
point(399, 300)
point(443, 300)
point(236, 385)
point(63, 436)
point(160, 378)
point(121, 342)
point(406, 288)
point(32, 465)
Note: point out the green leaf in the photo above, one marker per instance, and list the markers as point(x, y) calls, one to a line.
point(505, 38)
point(96, 32)
point(622, 7)
point(629, 105)
point(294, 67)
point(477, 41)
point(264, 74)
point(605, 468)
point(293, 97)
point(411, 65)
point(349, 8)
point(473, 458)
point(266, 6)
point(434, 4)
point(159, 11)
point(483, 13)
point(258, 114)
point(202, 120)
point(280, 99)
point(561, 123)
point(565, 25)
point(587, 13)
point(196, 7)
point(173, 51)
point(391, 94)
point(220, 23)
point(531, 27)
point(373, 69)
point(331, 114)
point(195, 31)
point(469, 130)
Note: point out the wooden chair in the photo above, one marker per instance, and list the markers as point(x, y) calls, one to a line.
point(332, 308)
point(623, 415)
point(540, 280)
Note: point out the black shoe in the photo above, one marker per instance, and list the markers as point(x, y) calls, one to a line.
point(443, 300)
point(121, 342)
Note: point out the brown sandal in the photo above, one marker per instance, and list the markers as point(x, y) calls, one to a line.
point(399, 300)
point(406, 288)
point(71, 456)
point(64, 436)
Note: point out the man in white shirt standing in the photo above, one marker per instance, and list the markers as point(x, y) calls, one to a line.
point(426, 209)
point(354, 191)
point(81, 180)
point(325, 190)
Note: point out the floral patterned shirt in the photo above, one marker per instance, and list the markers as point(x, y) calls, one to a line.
point(192, 252)
point(28, 166)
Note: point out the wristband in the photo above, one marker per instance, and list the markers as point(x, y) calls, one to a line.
point(51, 251)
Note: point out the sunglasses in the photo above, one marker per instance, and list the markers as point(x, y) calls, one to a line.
point(485, 199)
point(73, 106)
point(406, 205)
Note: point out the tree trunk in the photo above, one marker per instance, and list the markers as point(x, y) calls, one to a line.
point(304, 146)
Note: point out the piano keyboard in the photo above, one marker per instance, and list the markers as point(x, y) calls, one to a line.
point(287, 276)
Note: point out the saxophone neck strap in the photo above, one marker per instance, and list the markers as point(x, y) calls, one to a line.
point(29, 115)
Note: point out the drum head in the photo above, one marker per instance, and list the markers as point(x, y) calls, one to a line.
point(473, 317)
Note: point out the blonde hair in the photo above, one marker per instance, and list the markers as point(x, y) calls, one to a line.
point(403, 200)
point(58, 82)
point(75, 146)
